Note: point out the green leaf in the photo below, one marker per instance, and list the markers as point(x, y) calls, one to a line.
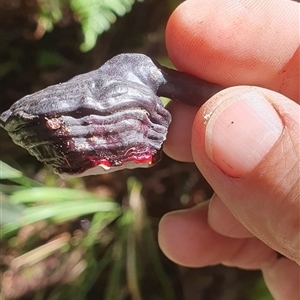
point(47, 58)
point(96, 16)
point(51, 194)
point(58, 213)
point(7, 172)
point(9, 212)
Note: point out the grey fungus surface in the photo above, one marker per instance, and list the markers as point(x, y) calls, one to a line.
point(105, 120)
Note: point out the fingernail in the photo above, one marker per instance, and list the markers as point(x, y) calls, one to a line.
point(241, 131)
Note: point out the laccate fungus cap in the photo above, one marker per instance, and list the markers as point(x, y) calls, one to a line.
point(105, 120)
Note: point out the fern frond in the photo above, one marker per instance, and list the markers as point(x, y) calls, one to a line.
point(96, 16)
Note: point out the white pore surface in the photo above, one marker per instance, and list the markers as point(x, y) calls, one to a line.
point(103, 169)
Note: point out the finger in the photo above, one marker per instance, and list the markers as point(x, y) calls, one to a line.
point(221, 220)
point(178, 143)
point(283, 279)
point(245, 141)
point(186, 238)
point(238, 42)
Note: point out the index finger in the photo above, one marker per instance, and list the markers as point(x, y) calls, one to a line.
point(238, 42)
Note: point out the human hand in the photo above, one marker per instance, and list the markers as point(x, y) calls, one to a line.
point(244, 140)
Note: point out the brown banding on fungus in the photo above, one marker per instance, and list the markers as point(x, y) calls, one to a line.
point(105, 120)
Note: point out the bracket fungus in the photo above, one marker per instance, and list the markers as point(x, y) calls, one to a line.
point(105, 120)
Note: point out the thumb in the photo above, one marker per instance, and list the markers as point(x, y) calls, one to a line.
point(245, 141)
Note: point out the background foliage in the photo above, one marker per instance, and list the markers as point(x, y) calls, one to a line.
point(95, 16)
point(93, 238)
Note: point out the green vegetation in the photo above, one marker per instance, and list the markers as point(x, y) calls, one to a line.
point(119, 233)
point(95, 16)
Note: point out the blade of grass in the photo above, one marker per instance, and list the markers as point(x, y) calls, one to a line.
point(144, 235)
point(51, 194)
point(10, 188)
point(29, 258)
point(151, 246)
point(25, 181)
point(94, 270)
point(131, 265)
point(7, 172)
point(136, 216)
point(14, 175)
point(57, 212)
point(99, 222)
point(9, 212)
point(115, 288)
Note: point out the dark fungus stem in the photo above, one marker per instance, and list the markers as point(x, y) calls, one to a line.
point(185, 88)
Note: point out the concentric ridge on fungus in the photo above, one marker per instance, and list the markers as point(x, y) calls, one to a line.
point(101, 121)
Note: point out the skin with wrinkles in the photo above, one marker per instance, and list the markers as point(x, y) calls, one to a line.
point(247, 44)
